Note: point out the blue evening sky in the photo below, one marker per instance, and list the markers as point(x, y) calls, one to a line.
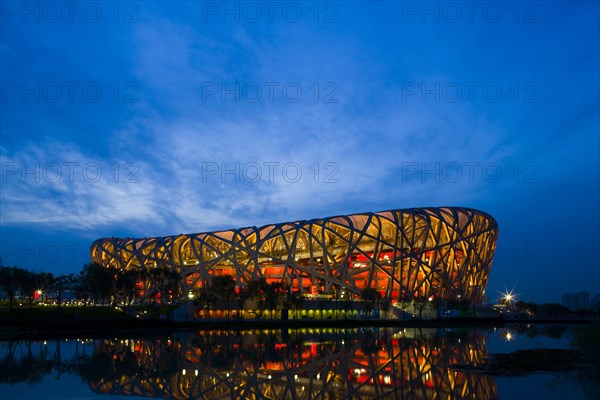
point(154, 118)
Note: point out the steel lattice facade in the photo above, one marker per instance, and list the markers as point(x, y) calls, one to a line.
point(405, 254)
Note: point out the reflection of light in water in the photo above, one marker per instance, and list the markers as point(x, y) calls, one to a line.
point(368, 365)
point(508, 336)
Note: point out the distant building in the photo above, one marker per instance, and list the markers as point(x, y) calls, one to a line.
point(595, 302)
point(576, 301)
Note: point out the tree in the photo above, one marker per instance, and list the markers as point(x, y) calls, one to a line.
point(206, 298)
point(346, 305)
point(256, 290)
point(80, 287)
point(369, 296)
point(241, 300)
point(257, 287)
point(385, 304)
point(99, 281)
point(166, 282)
point(43, 281)
point(142, 282)
point(126, 285)
point(224, 288)
point(63, 283)
point(296, 302)
point(9, 282)
point(26, 284)
point(272, 296)
point(223, 285)
point(171, 285)
point(420, 306)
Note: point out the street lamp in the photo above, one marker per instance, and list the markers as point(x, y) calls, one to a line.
point(508, 296)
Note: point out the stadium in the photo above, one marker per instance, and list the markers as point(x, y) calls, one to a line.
point(405, 254)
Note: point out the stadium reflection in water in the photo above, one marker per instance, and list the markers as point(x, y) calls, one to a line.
point(296, 364)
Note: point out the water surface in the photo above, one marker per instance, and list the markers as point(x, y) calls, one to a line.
point(410, 363)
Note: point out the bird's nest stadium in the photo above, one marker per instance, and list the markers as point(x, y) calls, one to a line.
point(406, 254)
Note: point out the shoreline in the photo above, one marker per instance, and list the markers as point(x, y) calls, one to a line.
point(32, 328)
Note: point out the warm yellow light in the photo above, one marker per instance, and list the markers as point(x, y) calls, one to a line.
point(508, 296)
point(333, 239)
